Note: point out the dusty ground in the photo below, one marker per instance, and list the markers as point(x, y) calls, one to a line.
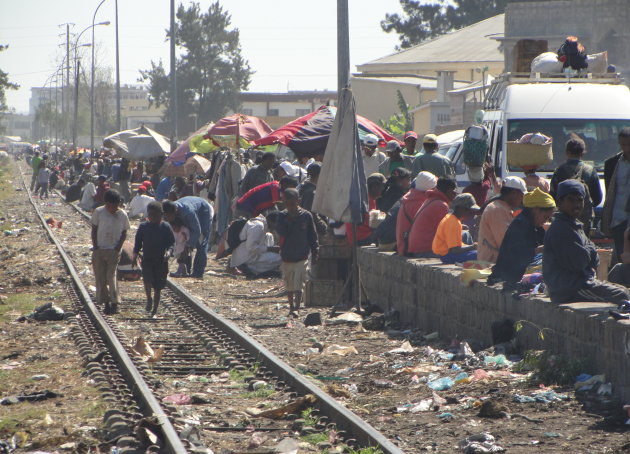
point(379, 386)
point(31, 275)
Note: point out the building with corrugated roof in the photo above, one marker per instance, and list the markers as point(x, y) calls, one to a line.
point(425, 73)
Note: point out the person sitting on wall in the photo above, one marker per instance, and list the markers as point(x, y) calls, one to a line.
point(410, 204)
point(396, 186)
point(419, 241)
point(570, 258)
point(523, 239)
point(365, 234)
point(497, 217)
point(452, 243)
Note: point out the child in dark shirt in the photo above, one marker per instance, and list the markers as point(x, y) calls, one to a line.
point(297, 238)
point(154, 237)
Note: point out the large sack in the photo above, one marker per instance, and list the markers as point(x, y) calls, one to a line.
point(598, 63)
point(546, 63)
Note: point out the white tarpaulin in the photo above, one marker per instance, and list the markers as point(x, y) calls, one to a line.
point(341, 188)
point(138, 144)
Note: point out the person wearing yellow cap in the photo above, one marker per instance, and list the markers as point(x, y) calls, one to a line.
point(431, 160)
point(523, 239)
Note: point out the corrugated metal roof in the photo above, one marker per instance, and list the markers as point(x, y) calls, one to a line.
point(425, 82)
point(472, 43)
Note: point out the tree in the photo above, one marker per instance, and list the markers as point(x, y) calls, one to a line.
point(210, 71)
point(425, 21)
point(400, 123)
point(5, 85)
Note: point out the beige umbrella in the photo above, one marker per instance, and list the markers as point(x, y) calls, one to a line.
point(194, 165)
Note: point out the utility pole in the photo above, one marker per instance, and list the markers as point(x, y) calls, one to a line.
point(118, 120)
point(76, 105)
point(174, 114)
point(343, 46)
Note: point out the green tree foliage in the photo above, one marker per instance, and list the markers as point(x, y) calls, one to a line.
point(400, 123)
point(210, 71)
point(5, 84)
point(425, 20)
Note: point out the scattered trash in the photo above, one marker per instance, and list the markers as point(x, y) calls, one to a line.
point(144, 350)
point(256, 440)
point(29, 397)
point(16, 232)
point(432, 336)
point(374, 323)
point(313, 319)
point(480, 444)
point(420, 369)
point(446, 416)
point(292, 408)
point(546, 397)
point(605, 389)
point(403, 349)
point(287, 446)
point(584, 382)
point(423, 405)
point(552, 434)
point(441, 384)
point(256, 385)
point(465, 350)
point(480, 374)
point(383, 383)
point(499, 360)
point(338, 391)
point(346, 317)
point(462, 377)
point(340, 350)
point(45, 313)
point(40, 377)
point(54, 223)
point(178, 399)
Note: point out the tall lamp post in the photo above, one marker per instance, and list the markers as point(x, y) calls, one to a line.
point(76, 89)
point(92, 78)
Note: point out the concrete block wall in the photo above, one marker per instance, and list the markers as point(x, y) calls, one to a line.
point(430, 296)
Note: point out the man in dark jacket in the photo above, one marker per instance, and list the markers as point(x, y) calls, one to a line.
point(522, 239)
point(617, 181)
point(74, 192)
point(259, 174)
point(570, 259)
point(575, 168)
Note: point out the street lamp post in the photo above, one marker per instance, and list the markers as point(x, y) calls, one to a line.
point(92, 79)
point(76, 90)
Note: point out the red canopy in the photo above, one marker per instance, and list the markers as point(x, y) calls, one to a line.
point(245, 126)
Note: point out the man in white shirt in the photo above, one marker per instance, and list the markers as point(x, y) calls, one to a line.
point(256, 249)
point(109, 231)
point(138, 205)
point(372, 158)
point(87, 198)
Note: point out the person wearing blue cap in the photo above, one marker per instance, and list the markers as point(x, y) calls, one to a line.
point(569, 257)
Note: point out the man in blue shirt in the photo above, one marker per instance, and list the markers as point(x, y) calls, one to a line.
point(163, 188)
point(196, 214)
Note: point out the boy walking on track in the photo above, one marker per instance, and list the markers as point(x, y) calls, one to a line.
point(154, 238)
point(109, 231)
point(298, 238)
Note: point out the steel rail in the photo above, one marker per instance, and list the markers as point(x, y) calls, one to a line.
point(138, 386)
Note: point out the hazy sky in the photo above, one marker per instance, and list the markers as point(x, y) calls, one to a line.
point(289, 43)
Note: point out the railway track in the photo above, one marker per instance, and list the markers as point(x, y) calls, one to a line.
point(206, 391)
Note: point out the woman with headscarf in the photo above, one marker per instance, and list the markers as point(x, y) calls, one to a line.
point(410, 204)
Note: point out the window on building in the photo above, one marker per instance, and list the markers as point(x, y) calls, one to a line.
point(273, 112)
point(247, 111)
point(443, 118)
point(302, 112)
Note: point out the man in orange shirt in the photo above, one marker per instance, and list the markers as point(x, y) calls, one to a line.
point(451, 243)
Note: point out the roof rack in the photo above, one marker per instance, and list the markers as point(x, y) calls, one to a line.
point(496, 92)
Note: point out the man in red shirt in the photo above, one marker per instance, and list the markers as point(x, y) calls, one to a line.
point(428, 217)
point(365, 234)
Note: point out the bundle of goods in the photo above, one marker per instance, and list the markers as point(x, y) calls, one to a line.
point(533, 150)
point(475, 147)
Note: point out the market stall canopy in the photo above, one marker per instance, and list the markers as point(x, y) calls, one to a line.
point(138, 144)
point(308, 135)
point(238, 127)
point(184, 151)
point(195, 165)
point(341, 188)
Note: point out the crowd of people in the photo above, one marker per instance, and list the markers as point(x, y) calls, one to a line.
point(258, 210)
